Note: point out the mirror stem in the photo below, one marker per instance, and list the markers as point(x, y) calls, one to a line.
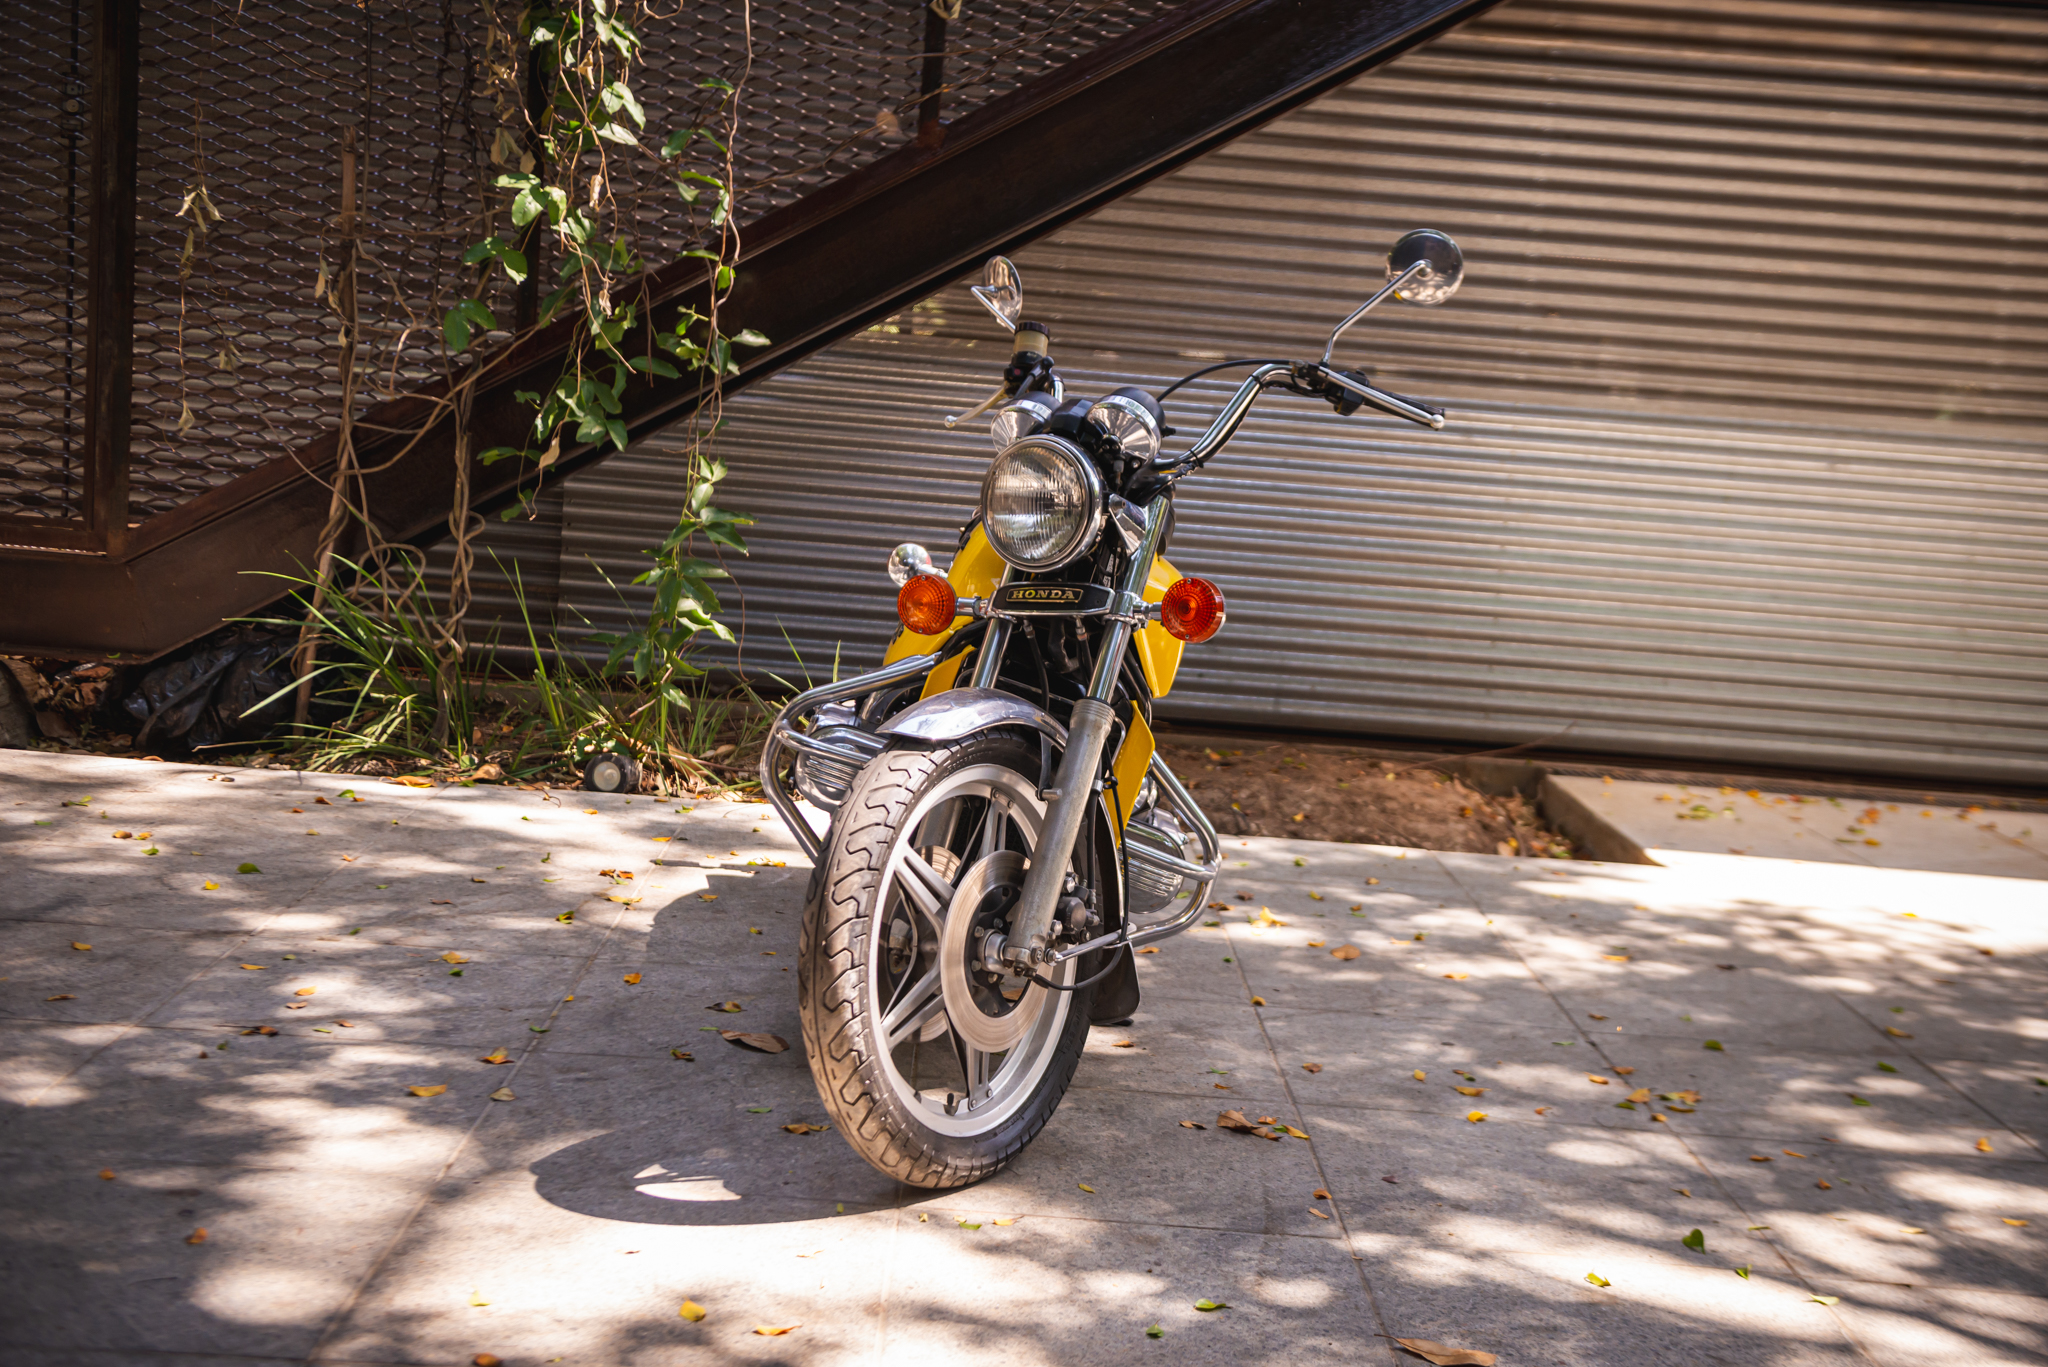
point(1386, 290)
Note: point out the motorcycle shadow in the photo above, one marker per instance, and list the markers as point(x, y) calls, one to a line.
point(687, 1173)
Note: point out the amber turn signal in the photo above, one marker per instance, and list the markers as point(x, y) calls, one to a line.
point(927, 604)
point(1192, 609)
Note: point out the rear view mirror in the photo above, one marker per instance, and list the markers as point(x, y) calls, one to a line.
point(1437, 264)
point(1001, 290)
point(1424, 267)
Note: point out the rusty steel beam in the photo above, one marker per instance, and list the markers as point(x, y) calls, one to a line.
point(817, 270)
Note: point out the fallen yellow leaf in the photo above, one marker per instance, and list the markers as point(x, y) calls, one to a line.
point(1470, 1091)
point(1421, 1076)
point(1311, 1067)
point(803, 1127)
point(1317, 944)
point(775, 1331)
point(692, 1311)
point(428, 1091)
point(503, 1094)
point(1258, 1001)
point(76, 945)
point(1085, 1187)
point(2017, 1224)
point(305, 992)
point(1149, 949)
point(255, 968)
point(1346, 952)
point(1640, 1094)
point(106, 1174)
point(1598, 1081)
point(631, 979)
point(1616, 958)
point(1317, 1213)
point(451, 957)
point(209, 886)
point(1475, 1116)
point(1983, 1146)
point(197, 1236)
point(497, 1055)
point(1458, 976)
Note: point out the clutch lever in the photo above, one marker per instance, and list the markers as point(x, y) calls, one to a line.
point(990, 402)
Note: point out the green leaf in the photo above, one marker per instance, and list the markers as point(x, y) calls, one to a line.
point(618, 132)
point(725, 277)
point(1155, 1332)
point(1856, 1100)
point(1743, 1272)
point(247, 868)
point(749, 337)
point(1714, 1045)
point(617, 96)
point(715, 83)
point(1884, 1067)
point(1825, 1300)
point(1205, 1304)
point(1695, 1241)
point(1597, 1279)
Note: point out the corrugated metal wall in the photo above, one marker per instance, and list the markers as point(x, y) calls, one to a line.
point(1749, 459)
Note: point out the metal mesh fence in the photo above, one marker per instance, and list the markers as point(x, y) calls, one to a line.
point(236, 361)
point(46, 84)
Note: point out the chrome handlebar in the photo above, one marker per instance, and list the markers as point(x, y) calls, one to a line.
point(1271, 374)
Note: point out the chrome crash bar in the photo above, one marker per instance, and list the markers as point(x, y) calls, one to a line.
point(1183, 805)
point(783, 735)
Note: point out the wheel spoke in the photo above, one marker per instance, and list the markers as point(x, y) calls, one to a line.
point(914, 1006)
point(993, 825)
point(925, 887)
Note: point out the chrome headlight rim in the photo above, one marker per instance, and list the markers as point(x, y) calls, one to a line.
point(1141, 443)
point(1086, 534)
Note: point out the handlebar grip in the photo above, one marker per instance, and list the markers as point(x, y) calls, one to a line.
point(1395, 405)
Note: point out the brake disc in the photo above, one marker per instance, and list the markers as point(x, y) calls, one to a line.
point(981, 1012)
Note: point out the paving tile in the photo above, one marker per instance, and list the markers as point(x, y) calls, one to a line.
point(1536, 1307)
point(1856, 1227)
point(294, 1101)
point(558, 1281)
point(1912, 1326)
point(36, 1056)
point(122, 976)
point(389, 992)
point(1500, 1185)
point(1185, 1048)
point(982, 1296)
point(107, 1265)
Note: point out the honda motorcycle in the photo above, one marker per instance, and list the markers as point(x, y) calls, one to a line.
point(1003, 833)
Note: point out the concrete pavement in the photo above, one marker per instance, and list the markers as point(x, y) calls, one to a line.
point(1882, 1035)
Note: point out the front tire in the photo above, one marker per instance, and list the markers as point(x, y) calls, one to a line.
point(904, 1085)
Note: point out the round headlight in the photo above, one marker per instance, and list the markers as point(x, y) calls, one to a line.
point(1131, 418)
point(1041, 503)
point(1020, 418)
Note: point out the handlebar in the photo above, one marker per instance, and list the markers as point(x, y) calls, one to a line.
point(1346, 391)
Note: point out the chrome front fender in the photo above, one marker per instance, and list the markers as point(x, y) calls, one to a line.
point(962, 712)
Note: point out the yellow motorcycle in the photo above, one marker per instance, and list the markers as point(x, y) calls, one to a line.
point(1002, 833)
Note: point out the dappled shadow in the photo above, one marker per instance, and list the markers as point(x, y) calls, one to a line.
point(574, 1220)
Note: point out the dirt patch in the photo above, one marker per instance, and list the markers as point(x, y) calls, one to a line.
point(1313, 793)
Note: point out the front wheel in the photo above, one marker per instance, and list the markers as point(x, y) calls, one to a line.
point(936, 1069)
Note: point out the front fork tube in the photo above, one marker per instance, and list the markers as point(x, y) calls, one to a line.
point(1074, 787)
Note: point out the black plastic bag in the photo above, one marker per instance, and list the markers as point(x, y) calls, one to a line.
point(205, 698)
